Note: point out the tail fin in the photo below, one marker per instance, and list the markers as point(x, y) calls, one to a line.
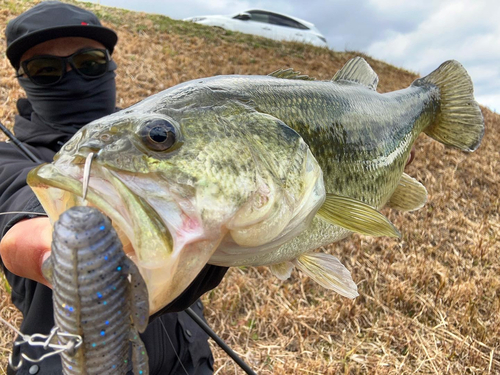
point(460, 122)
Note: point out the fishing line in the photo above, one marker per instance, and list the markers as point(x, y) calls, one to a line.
point(172, 344)
point(11, 326)
point(23, 213)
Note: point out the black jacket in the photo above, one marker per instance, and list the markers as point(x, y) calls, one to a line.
point(34, 300)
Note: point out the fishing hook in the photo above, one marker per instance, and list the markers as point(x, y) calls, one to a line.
point(86, 174)
point(190, 312)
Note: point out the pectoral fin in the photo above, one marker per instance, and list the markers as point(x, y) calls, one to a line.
point(356, 216)
point(410, 195)
point(282, 270)
point(327, 271)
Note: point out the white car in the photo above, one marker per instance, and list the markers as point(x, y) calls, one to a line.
point(267, 24)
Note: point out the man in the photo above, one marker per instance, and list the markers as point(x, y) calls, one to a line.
point(62, 56)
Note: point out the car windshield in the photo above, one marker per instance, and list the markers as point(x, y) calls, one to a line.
point(270, 18)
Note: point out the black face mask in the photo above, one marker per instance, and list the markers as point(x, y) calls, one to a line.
point(74, 101)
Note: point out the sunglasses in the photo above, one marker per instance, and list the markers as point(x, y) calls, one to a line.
point(48, 70)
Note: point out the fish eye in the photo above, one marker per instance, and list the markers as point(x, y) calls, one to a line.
point(158, 135)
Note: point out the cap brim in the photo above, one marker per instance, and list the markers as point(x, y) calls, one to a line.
point(99, 33)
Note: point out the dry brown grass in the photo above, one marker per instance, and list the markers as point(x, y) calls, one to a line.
point(429, 303)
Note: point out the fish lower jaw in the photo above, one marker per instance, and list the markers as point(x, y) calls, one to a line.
point(56, 201)
point(157, 274)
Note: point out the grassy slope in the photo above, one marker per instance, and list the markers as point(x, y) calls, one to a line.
point(429, 303)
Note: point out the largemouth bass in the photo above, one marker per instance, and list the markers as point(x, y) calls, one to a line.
point(258, 170)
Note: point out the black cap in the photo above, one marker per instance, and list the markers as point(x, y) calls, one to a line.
point(50, 20)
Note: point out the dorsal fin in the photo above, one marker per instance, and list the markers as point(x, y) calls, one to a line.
point(290, 74)
point(357, 70)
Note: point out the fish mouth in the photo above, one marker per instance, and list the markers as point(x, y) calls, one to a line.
point(59, 191)
point(146, 238)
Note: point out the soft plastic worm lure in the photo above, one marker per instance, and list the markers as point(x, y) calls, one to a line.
point(98, 294)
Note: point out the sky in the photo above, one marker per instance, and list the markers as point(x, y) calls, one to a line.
point(417, 35)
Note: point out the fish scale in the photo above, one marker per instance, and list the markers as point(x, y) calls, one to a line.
point(93, 296)
point(345, 126)
point(263, 170)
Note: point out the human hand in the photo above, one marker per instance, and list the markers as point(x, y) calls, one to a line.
point(25, 246)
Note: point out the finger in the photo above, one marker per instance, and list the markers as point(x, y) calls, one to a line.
point(25, 246)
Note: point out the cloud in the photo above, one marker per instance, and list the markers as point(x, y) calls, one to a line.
point(415, 34)
point(490, 100)
point(464, 30)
